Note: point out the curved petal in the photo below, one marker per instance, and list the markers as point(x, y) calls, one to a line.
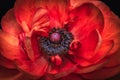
point(9, 23)
point(30, 44)
point(90, 68)
point(85, 19)
point(103, 73)
point(71, 76)
point(112, 23)
point(112, 33)
point(88, 46)
point(67, 67)
point(8, 74)
point(103, 51)
point(6, 62)
point(114, 59)
point(37, 68)
point(31, 47)
point(9, 46)
point(13, 74)
point(24, 12)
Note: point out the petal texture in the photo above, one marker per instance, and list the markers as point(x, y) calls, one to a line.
point(10, 25)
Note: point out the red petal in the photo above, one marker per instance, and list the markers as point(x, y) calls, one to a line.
point(112, 33)
point(103, 73)
point(56, 60)
point(8, 74)
point(75, 44)
point(30, 44)
point(25, 13)
point(114, 60)
point(89, 68)
point(87, 46)
point(6, 62)
point(9, 24)
point(9, 46)
point(32, 48)
point(112, 23)
point(71, 77)
point(36, 68)
point(64, 69)
point(85, 19)
point(102, 52)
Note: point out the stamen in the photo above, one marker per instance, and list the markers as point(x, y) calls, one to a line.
point(57, 43)
point(55, 37)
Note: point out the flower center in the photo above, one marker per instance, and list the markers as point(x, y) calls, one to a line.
point(57, 43)
point(55, 37)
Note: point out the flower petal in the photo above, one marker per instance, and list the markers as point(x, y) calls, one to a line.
point(64, 69)
point(88, 45)
point(71, 77)
point(112, 25)
point(9, 46)
point(37, 68)
point(6, 62)
point(30, 45)
point(114, 59)
point(103, 73)
point(85, 19)
point(8, 74)
point(90, 68)
point(9, 23)
point(24, 12)
point(103, 51)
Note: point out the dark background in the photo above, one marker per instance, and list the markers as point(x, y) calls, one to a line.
point(114, 5)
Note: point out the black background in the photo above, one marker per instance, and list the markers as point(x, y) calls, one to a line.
point(114, 5)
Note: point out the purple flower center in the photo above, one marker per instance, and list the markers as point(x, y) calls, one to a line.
point(57, 43)
point(55, 37)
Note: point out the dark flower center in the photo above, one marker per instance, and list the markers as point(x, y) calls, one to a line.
point(57, 43)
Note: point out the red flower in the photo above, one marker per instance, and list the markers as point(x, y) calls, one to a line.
point(53, 38)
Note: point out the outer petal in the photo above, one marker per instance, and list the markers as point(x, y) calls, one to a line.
point(37, 68)
point(86, 27)
point(85, 19)
point(8, 74)
point(72, 76)
point(112, 23)
point(25, 13)
point(9, 46)
point(86, 69)
point(103, 51)
point(6, 62)
point(111, 32)
point(10, 25)
point(56, 72)
point(103, 73)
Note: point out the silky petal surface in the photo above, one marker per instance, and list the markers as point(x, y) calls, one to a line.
point(10, 25)
point(9, 46)
point(25, 13)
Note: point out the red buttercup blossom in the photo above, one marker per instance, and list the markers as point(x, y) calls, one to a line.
point(60, 39)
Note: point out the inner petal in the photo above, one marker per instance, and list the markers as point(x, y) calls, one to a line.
point(85, 19)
